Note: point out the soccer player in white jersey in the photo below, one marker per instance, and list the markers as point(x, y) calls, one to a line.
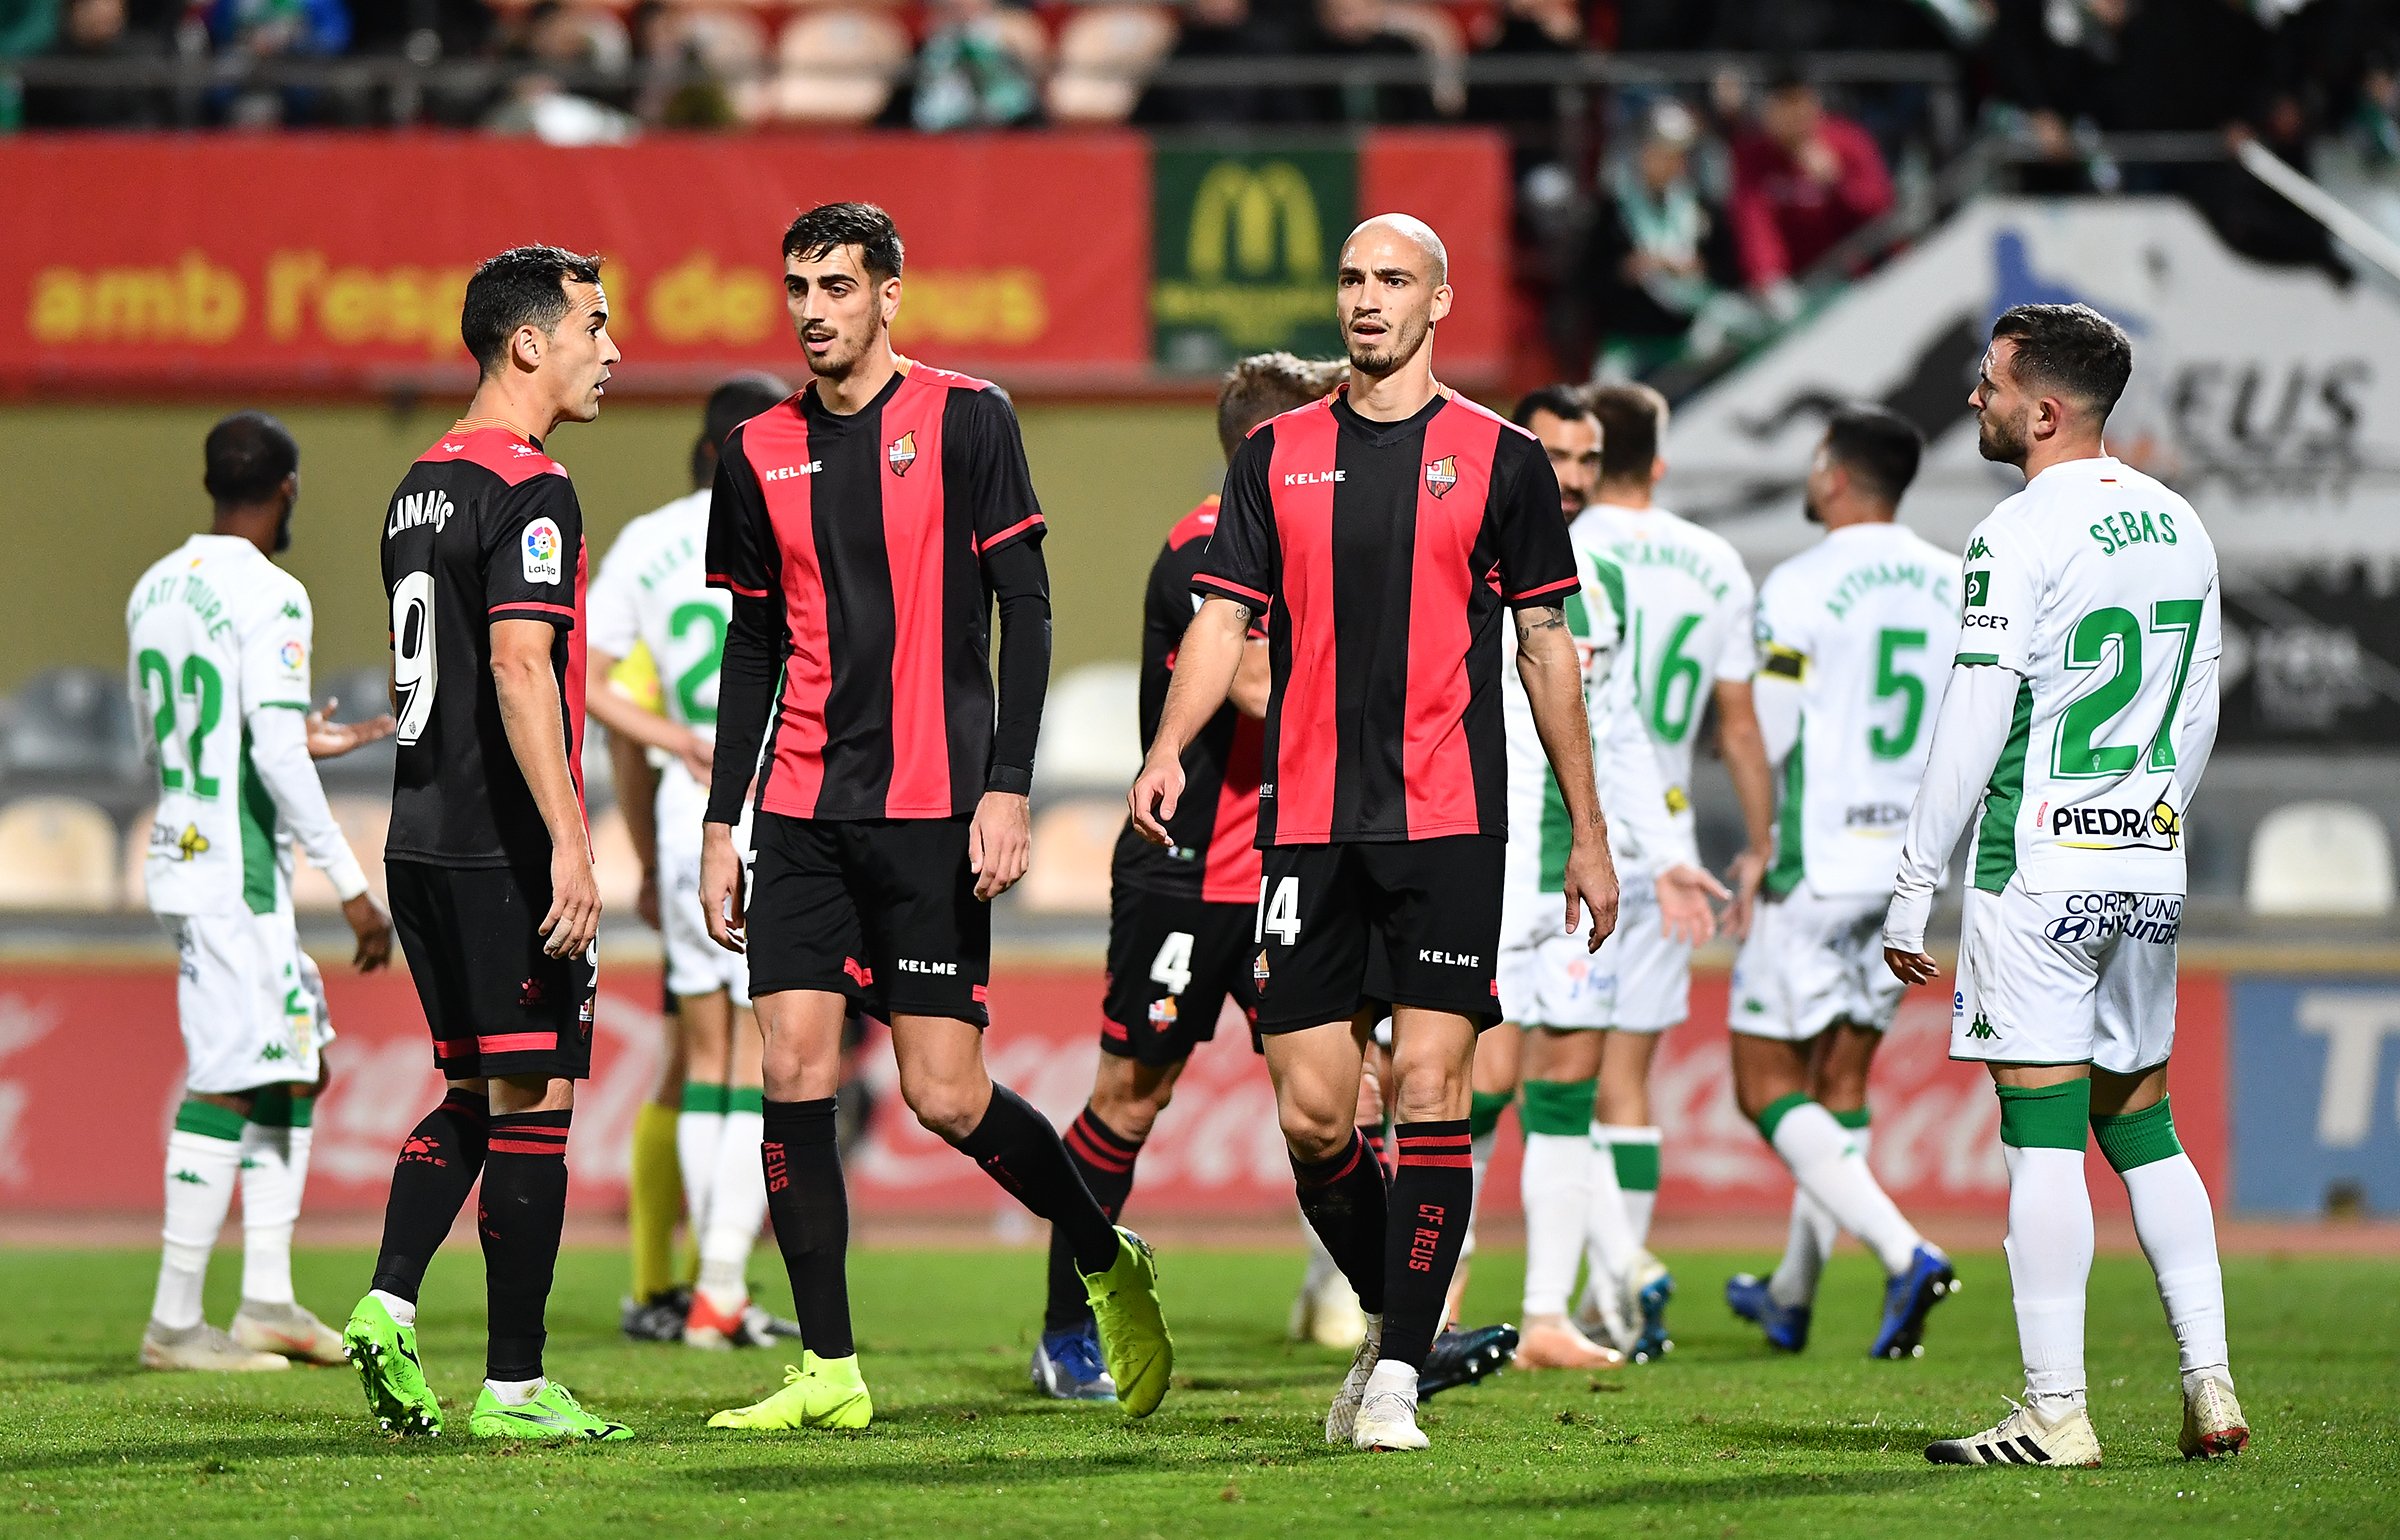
point(1689, 628)
point(1855, 637)
point(653, 591)
point(218, 666)
point(1558, 994)
point(2080, 715)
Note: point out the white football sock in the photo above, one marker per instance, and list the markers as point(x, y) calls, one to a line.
point(2049, 1263)
point(1557, 1188)
point(1608, 1237)
point(401, 1310)
point(515, 1392)
point(737, 1205)
point(2178, 1232)
point(1827, 1164)
point(201, 1173)
point(1640, 1202)
point(274, 1171)
point(698, 1136)
point(1808, 1245)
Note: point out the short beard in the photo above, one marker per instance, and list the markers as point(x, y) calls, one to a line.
point(1999, 443)
point(283, 530)
point(837, 366)
point(1810, 511)
point(1399, 346)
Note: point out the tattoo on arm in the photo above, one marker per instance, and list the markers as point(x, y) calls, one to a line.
point(1547, 618)
point(1241, 616)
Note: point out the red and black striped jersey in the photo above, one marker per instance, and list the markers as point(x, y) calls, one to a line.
point(864, 553)
point(1383, 554)
point(484, 527)
point(1211, 853)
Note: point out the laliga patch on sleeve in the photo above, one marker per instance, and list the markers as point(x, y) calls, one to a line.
point(542, 551)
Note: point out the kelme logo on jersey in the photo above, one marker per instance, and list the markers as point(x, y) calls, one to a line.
point(1979, 589)
point(903, 453)
point(2081, 826)
point(1442, 475)
point(542, 549)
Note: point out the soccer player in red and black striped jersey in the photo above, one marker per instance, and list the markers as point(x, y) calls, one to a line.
point(1179, 914)
point(865, 527)
point(489, 861)
point(1382, 533)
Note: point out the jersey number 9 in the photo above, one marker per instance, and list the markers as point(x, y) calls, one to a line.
point(414, 671)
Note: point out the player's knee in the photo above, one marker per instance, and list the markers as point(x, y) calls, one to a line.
point(950, 1107)
point(1315, 1133)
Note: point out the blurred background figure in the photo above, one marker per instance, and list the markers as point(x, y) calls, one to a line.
point(1804, 179)
point(1663, 270)
point(967, 74)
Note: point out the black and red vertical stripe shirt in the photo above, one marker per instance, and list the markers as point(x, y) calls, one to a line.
point(1211, 854)
point(483, 528)
point(1383, 554)
point(864, 553)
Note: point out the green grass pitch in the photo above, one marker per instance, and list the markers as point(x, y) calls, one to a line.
point(1720, 1440)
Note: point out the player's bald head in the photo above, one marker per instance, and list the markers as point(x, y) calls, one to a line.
point(1405, 228)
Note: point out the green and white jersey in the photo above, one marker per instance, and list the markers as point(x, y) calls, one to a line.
point(1862, 627)
point(653, 588)
point(2098, 587)
point(217, 634)
point(1688, 623)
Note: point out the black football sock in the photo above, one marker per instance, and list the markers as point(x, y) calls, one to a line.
point(1343, 1200)
point(1104, 1159)
point(524, 1206)
point(438, 1164)
point(1432, 1194)
point(811, 1211)
point(1022, 1152)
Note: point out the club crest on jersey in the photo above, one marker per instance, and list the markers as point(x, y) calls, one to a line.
point(903, 453)
point(1442, 475)
point(542, 549)
point(1258, 970)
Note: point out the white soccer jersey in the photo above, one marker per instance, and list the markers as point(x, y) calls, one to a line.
point(2098, 586)
point(218, 636)
point(1862, 626)
point(652, 588)
point(1688, 623)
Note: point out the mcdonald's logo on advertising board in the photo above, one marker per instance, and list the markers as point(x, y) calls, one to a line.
point(1244, 252)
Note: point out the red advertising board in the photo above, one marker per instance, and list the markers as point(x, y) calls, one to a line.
point(337, 260)
point(84, 1048)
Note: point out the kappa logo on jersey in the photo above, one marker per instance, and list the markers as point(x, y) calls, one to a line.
point(293, 611)
point(418, 508)
point(1979, 588)
point(542, 550)
point(1982, 1030)
point(2158, 827)
point(1979, 549)
point(788, 472)
point(1442, 475)
point(903, 452)
point(1313, 478)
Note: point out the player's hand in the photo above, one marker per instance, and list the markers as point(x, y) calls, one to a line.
point(1687, 900)
point(574, 917)
point(373, 928)
point(721, 887)
point(1911, 967)
point(999, 843)
point(328, 739)
point(1748, 870)
point(645, 902)
point(1155, 793)
point(699, 756)
point(1591, 882)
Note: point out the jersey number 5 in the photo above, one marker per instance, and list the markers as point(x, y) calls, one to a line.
point(414, 657)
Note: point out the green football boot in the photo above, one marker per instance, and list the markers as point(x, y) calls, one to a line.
point(821, 1393)
point(554, 1413)
point(385, 1354)
point(1133, 1332)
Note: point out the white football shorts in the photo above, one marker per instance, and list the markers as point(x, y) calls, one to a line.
point(1809, 961)
point(2067, 978)
point(251, 1003)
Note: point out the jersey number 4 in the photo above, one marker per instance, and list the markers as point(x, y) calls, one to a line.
point(414, 657)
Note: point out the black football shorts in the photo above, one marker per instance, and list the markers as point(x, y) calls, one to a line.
point(1345, 927)
point(881, 910)
point(1172, 962)
point(497, 1004)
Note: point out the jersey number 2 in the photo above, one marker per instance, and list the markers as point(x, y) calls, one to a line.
point(414, 671)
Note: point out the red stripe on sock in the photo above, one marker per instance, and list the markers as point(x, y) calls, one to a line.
point(502, 1145)
point(1083, 1144)
point(1411, 1158)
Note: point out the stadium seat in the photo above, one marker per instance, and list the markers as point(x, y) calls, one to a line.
point(1105, 53)
point(1436, 33)
point(620, 869)
point(1091, 731)
point(1072, 842)
point(71, 729)
point(2321, 858)
point(364, 821)
point(57, 853)
point(836, 66)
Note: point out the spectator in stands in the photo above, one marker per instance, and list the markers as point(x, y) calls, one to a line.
point(1527, 30)
point(967, 76)
point(95, 32)
point(1662, 257)
point(2057, 78)
point(554, 47)
point(1804, 180)
point(1357, 30)
point(1216, 31)
point(280, 29)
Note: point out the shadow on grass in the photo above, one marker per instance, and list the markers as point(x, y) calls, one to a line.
point(1702, 1490)
point(1891, 1437)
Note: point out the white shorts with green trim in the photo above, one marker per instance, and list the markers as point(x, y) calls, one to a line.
point(1638, 981)
point(1811, 960)
point(696, 965)
point(2066, 978)
point(250, 1001)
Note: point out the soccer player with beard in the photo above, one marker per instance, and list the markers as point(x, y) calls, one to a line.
point(1381, 533)
point(864, 527)
point(489, 859)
